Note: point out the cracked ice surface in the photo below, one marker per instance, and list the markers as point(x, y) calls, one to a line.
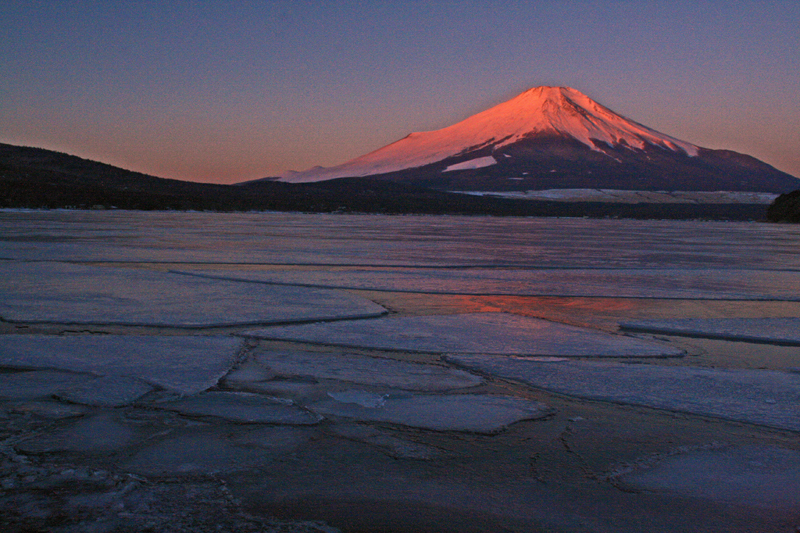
point(79, 294)
point(476, 413)
point(785, 331)
point(713, 284)
point(182, 364)
point(763, 476)
point(488, 333)
point(763, 397)
point(366, 370)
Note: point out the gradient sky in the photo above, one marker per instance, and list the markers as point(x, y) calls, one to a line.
point(227, 91)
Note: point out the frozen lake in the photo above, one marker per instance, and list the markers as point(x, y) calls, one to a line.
point(496, 373)
point(433, 241)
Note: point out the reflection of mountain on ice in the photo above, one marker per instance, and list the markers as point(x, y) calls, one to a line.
point(542, 111)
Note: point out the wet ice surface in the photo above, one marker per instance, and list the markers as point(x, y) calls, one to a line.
point(182, 364)
point(479, 413)
point(749, 475)
point(782, 331)
point(712, 284)
point(151, 430)
point(79, 294)
point(489, 333)
point(763, 397)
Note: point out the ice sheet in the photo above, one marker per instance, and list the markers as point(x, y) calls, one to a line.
point(292, 238)
point(79, 294)
point(783, 331)
point(763, 397)
point(489, 333)
point(713, 284)
point(182, 364)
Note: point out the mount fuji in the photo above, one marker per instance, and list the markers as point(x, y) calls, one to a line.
point(554, 138)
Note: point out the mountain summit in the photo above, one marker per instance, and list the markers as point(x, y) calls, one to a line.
point(554, 137)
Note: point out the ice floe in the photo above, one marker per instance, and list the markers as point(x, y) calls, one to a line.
point(489, 333)
point(106, 391)
point(477, 413)
point(362, 369)
point(183, 364)
point(763, 397)
point(296, 238)
point(241, 407)
point(79, 294)
point(782, 331)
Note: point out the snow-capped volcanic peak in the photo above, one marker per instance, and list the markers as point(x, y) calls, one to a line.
point(539, 111)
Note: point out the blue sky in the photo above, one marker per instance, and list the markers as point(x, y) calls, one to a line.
point(228, 91)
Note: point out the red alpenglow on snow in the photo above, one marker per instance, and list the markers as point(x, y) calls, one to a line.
point(555, 138)
point(559, 111)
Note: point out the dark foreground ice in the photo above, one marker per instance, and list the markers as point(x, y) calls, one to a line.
point(761, 476)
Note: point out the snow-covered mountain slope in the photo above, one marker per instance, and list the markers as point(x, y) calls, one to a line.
point(542, 111)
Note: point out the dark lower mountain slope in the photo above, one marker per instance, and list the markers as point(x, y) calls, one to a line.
point(38, 178)
point(560, 163)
